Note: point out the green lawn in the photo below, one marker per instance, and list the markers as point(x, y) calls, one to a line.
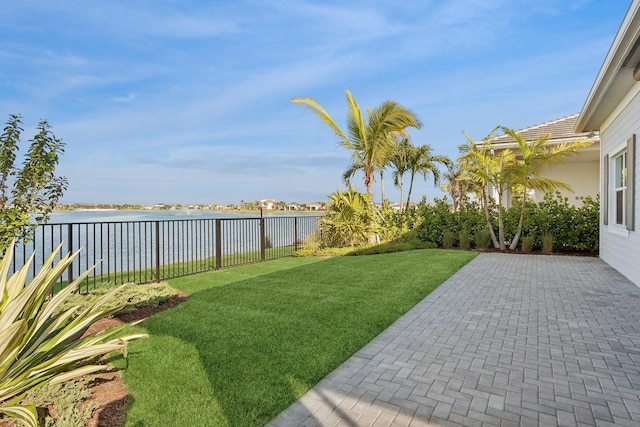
point(251, 340)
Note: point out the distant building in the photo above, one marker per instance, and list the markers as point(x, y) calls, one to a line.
point(268, 204)
point(399, 207)
point(315, 206)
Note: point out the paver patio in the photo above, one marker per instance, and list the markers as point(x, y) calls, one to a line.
point(508, 340)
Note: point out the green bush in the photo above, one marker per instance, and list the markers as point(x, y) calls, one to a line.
point(465, 240)
point(67, 401)
point(481, 239)
point(527, 244)
point(575, 229)
point(448, 240)
point(547, 243)
point(126, 300)
point(386, 248)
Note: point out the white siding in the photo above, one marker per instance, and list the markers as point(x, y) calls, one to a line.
point(619, 247)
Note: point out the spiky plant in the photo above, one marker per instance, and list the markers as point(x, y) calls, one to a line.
point(40, 345)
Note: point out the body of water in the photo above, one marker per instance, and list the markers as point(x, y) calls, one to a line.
point(143, 241)
point(83, 216)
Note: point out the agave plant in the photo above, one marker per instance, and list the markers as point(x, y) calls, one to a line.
point(42, 345)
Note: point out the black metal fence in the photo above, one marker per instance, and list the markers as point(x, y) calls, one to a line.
point(148, 251)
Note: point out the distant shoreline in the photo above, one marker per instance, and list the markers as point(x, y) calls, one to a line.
point(230, 211)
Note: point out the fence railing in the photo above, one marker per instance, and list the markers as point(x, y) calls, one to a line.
point(148, 251)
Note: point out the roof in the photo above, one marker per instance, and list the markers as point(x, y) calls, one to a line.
point(615, 78)
point(561, 129)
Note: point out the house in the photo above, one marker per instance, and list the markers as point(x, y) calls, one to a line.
point(268, 204)
point(613, 108)
point(579, 171)
point(315, 206)
point(399, 207)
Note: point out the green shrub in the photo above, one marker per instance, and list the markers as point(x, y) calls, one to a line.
point(481, 239)
point(527, 244)
point(66, 399)
point(547, 243)
point(437, 220)
point(349, 219)
point(126, 300)
point(386, 248)
point(448, 240)
point(465, 240)
point(575, 229)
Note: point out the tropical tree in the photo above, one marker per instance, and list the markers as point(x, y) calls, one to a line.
point(400, 163)
point(486, 168)
point(535, 155)
point(370, 139)
point(505, 170)
point(28, 193)
point(421, 161)
point(349, 219)
point(458, 185)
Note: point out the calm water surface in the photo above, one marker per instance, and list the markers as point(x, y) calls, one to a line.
point(151, 215)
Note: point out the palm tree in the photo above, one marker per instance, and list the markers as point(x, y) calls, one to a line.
point(371, 140)
point(420, 160)
point(349, 220)
point(504, 171)
point(484, 169)
point(458, 185)
point(535, 155)
point(400, 162)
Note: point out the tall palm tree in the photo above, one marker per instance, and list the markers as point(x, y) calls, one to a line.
point(420, 160)
point(400, 162)
point(370, 140)
point(458, 184)
point(534, 155)
point(484, 168)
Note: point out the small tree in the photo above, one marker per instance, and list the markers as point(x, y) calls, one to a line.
point(28, 193)
point(348, 221)
point(421, 161)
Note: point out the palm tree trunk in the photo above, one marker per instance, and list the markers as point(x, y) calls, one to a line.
point(382, 186)
point(406, 208)
point(500, 222)
point(516, 238)
point(492, 232)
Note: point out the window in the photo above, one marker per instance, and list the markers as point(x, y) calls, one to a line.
point(619, 182)
point(620, 186)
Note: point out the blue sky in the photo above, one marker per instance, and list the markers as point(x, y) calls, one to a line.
point(189, 101)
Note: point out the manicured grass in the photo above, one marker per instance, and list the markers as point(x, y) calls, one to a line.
point(252, 340)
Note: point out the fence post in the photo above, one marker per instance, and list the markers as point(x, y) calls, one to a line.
point(263, 253)
point(218, 244)
point(295, 233)
point(157, 251)
point(70, 245)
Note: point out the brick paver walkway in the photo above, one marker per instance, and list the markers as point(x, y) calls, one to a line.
point(508, 340)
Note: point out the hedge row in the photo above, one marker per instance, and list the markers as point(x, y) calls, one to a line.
point(574, 229)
